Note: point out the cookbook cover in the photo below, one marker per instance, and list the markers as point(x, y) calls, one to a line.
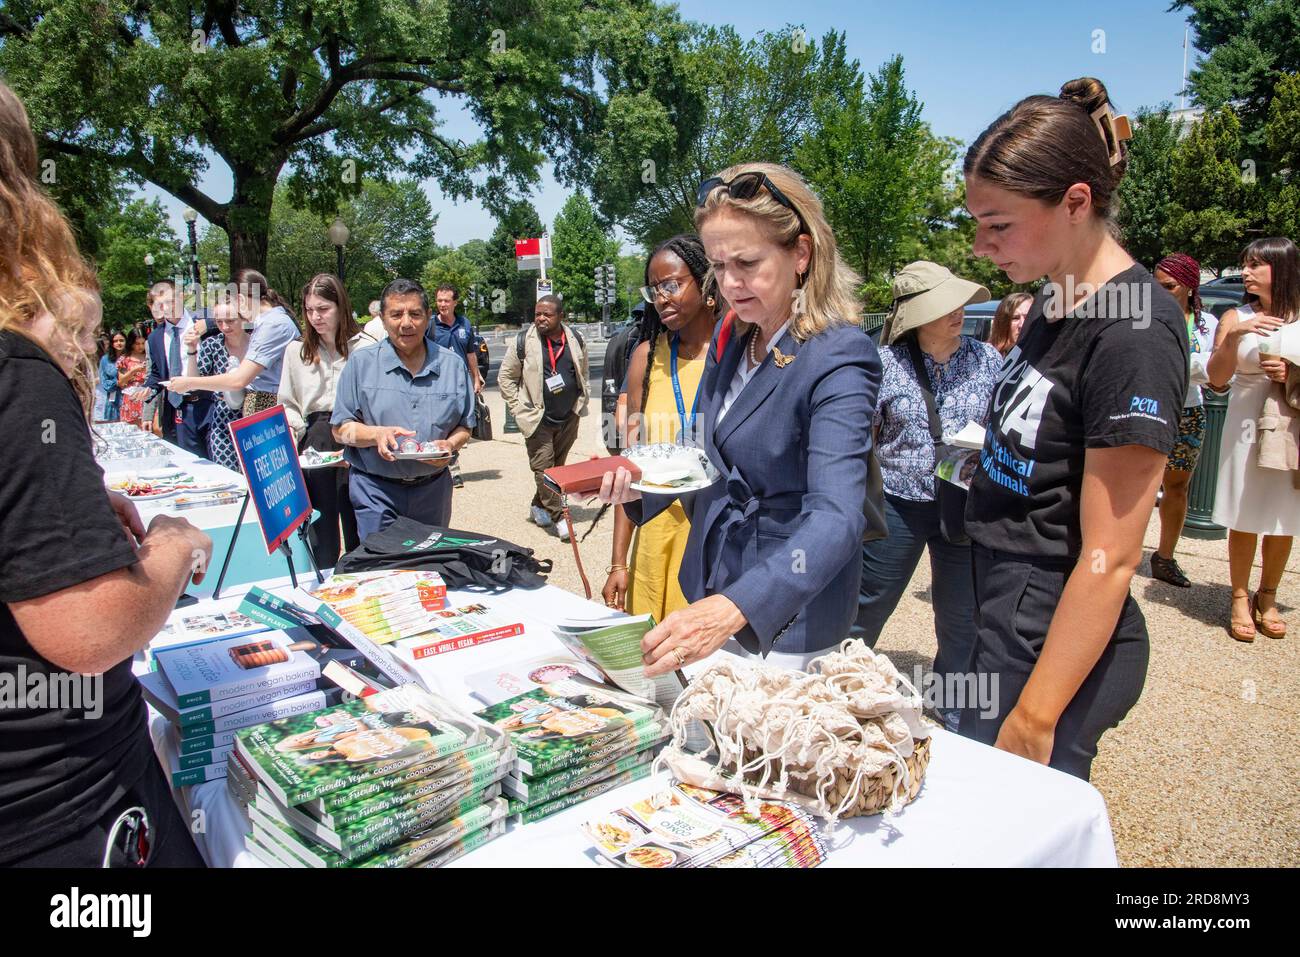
point(236, 667)
point(562, 724)
point(306, 756)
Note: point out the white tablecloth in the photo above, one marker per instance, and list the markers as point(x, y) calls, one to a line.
point(979, 807)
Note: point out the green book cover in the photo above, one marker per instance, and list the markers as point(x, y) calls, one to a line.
point(528, 815)
point(469, 842)
point(535, 791)
point(302, 757)
point(374, 834)
point(560, 724)
point(274, 611)
point(298, 851)
point(206, 742)
point(331, 803)
point(197, 759)
point(475, 771)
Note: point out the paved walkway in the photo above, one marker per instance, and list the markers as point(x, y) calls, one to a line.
point(1203, 773)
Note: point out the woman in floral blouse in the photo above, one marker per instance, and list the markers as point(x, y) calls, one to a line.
point(925, 321)
point(132, 368)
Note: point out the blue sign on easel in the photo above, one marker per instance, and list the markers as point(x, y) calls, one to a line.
point(266, 450)
point(264, 444)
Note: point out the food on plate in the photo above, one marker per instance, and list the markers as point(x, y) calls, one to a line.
point(648, 855)
point(611, 835)
point(668, 466)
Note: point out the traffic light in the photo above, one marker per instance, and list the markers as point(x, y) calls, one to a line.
point(606, 285)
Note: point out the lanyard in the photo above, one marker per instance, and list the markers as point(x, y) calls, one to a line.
point(688, 427)
point(553, 354)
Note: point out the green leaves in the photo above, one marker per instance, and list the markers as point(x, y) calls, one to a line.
point(340, 92)
point(1144, 192)
point(580, 245)
point(1210, 206)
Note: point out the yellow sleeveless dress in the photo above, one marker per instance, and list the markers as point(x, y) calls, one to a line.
point(660, 543)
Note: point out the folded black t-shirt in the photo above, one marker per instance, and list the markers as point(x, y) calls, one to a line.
point(61, 767)
point(1112, 372)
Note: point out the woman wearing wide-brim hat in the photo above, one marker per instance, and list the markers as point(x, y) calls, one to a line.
point(922, 337)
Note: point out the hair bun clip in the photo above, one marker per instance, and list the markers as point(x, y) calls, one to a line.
point(1114, 130)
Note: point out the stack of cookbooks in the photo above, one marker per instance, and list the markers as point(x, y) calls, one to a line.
point(686, 826)
point(208, 689)
point(575, 738)
point(399, 778)
point(408, 611)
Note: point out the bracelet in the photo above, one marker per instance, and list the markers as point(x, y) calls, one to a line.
point(191, 353)
point(611, 568)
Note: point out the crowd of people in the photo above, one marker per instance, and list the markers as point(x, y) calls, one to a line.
point(751, 350)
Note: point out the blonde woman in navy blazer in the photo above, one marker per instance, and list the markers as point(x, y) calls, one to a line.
point(774, 554)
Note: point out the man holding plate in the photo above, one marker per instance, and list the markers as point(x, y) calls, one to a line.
point(396, 403)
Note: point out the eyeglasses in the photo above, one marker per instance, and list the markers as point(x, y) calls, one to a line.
point(668, 288)
point(746, 186)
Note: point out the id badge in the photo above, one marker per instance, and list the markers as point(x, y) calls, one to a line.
point(555, 383)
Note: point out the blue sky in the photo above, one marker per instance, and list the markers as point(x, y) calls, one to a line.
point(967, 62)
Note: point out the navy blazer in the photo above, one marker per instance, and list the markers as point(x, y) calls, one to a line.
point(780, 533)
point(159, 373)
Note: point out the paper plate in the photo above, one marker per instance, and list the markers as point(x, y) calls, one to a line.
point(649, 453)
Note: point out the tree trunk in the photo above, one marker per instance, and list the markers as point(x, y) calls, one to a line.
point(248, 220)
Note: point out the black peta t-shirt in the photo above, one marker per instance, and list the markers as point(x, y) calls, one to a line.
point(69, 745)
point(1113, 372)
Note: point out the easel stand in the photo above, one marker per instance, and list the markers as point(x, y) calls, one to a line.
point(284, 546)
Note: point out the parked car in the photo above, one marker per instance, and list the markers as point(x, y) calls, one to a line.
point(978, 319)
point(1219, 296)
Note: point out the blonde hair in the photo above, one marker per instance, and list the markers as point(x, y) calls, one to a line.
point(41, 269)
point(830, 287)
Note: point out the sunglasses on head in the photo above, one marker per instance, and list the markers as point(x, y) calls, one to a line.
point(746, 186)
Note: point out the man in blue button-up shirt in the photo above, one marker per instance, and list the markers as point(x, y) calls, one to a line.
point(407, 387)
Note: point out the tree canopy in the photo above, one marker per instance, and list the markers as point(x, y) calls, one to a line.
point(332, 94)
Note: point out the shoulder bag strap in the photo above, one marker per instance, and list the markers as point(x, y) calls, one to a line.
point(923, 380)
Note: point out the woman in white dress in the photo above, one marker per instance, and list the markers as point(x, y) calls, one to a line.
point(1251, 501)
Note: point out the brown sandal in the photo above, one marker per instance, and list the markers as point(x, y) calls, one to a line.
point(1242, 631)
point(1266, 628)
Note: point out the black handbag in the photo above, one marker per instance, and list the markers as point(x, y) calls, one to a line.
point(482, 419)
point(950, 498)
point(463, 559)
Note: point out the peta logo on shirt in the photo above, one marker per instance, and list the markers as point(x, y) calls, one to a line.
point(1147, 406)
point(1019, 399)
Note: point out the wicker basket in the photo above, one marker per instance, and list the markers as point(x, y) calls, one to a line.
point(876, 791)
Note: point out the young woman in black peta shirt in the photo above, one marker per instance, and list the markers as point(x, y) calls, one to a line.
point(1083, 416)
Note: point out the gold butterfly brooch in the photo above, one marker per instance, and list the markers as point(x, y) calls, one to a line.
point(780, 358)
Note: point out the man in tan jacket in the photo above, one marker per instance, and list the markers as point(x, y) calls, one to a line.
point(543, 380)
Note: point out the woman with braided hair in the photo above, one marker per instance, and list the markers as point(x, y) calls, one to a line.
point(1180, 274)
point(663, 383)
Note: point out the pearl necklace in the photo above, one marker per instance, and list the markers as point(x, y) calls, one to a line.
point(753, 357)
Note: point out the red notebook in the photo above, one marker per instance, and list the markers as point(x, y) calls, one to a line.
point(584, 478)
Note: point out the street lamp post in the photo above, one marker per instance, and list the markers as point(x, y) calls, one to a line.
point(338, 235)
point(148, 265)
point(190, 215)
point(211, 269)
